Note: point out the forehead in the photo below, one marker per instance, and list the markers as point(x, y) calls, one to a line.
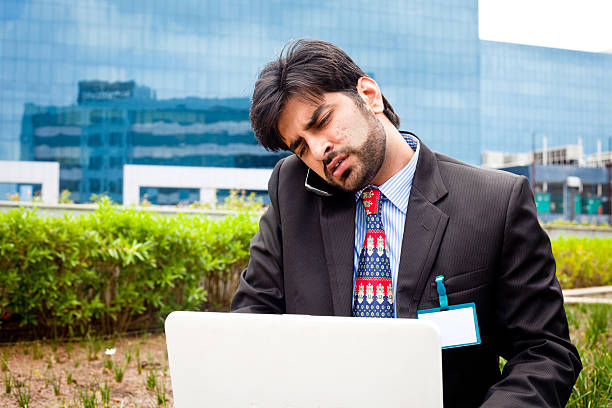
point(298, 111)
point(297, 106)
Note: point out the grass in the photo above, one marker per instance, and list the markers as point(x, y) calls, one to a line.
point(597, 325)
point(87, 398)
point(590, 332)
point(4, 362)
point(94, 346)
point(22, 393)
point(160, 393)
point(138, 361)
point(105, 395)
point(119, 372)
point(151, 380)
point(56, 383)
point(36, 351)
point(8, 382)
point(108, 363)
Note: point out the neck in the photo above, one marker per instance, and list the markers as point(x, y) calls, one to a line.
point(397, 154)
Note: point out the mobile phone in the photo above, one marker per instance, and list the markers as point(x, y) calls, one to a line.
point(317, 185)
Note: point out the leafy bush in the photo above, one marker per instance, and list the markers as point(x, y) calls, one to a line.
point(114, 269)
point(583, 262)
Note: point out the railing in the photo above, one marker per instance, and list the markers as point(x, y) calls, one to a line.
point(58, 210)
point(579, 231)
point(596, 294)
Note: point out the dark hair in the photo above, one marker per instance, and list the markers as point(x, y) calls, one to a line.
point(306, 68)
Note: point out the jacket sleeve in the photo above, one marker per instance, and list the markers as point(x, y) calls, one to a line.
point(261, 287)
point(533, 334)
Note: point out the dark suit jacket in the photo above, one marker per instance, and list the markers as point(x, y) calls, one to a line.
point(476, 227)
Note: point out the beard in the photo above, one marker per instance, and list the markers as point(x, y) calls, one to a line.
point(369, 157)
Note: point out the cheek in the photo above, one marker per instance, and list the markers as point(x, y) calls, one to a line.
point(342, 133)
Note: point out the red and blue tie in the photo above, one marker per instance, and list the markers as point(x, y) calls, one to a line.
point(373, 295)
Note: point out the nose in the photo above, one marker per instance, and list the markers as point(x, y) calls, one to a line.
point(320, 147)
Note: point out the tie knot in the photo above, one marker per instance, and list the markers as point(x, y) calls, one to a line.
point(372, 197)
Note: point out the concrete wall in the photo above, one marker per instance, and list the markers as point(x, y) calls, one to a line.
point(58, 210)
point(207, 179)
point(556, 231)
point(33, 172)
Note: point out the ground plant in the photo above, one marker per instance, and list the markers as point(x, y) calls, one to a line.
point(89, 385)
point(583, 262)
point(591, 332)
point(114, 269)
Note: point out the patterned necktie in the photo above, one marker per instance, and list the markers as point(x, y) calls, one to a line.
point(373, 295)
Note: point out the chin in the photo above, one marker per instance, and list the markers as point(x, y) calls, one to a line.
point(351, 183)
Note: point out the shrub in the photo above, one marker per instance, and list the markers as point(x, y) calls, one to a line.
point(583, 262)
point(115, 268)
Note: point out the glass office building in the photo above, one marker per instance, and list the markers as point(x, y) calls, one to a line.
point(530, 92)
point(119, 123)
point(97, 84)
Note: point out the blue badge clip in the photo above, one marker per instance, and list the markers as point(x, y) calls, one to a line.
point(441, 292)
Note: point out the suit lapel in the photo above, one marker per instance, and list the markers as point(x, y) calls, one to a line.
point(338, 231)
point(423, 232)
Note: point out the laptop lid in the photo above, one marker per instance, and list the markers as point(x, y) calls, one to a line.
point(297, 361)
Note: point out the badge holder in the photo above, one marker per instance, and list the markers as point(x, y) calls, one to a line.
point(458, 324)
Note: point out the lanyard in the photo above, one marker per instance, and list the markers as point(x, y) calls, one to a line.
point(441, 292)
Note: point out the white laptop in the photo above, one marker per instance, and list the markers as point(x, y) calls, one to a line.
point(294, 361)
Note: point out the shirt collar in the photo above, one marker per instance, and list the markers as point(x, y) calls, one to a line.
point(397, 188)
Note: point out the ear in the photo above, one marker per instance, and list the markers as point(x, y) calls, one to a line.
point(370, 92)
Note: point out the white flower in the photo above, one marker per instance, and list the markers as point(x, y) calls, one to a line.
point(110, 352)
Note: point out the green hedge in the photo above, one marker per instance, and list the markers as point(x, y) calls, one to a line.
point(583, 262)
point(114, 269)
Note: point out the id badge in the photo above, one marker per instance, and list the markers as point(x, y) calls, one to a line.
point(458, 324)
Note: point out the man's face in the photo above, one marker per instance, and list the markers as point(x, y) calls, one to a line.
point(340, 140)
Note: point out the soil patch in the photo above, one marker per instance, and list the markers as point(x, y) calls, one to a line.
point(76, 370)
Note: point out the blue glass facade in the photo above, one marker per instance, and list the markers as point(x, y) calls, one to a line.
point(100, 83)
point(119, 123)
point(529, 92)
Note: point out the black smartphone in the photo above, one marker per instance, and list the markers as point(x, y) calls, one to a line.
point(317, 185)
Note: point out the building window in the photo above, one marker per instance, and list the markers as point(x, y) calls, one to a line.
point(95, 140)
point(95, 186)
point(115, 162)
point(115, 139)
point(95, 163)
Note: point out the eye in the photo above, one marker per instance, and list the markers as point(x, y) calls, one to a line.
point(325, 120)
point(301, 150)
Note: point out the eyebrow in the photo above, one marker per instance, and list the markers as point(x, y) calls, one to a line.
point(315, 115)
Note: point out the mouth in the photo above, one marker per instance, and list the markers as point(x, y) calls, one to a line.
point(338, 165)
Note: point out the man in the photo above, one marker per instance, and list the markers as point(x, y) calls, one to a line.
point(360, 196)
